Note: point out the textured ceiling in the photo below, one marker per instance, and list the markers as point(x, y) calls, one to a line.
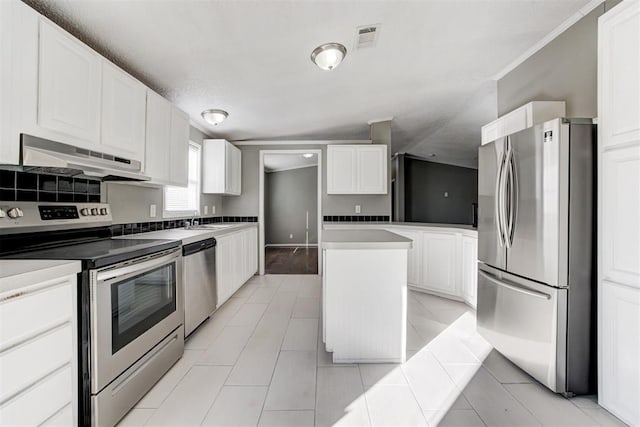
point(431, 69)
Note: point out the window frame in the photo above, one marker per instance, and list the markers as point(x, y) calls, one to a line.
point(188, 212)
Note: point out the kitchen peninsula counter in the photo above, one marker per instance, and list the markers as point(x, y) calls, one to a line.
point(365, 295)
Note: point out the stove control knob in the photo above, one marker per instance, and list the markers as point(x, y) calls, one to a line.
point(94, 211)
point(2, 213)
point(85, 212)
point(104, 211)
point(15, 213)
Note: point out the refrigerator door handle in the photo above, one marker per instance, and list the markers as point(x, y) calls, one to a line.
point(499, 200)
point(502, 195)
point(512, 196)
point(514, 286)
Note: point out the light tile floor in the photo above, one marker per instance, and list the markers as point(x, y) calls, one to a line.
point(259, 360)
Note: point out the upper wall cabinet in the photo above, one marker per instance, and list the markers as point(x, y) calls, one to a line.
point(124, 102)
point(221, 167)
point(528, 115)
point(18, 76)
point(69, 86)
point(357, 169)
point(167, 142)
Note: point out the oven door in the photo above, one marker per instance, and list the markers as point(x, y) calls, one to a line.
point(134, 306)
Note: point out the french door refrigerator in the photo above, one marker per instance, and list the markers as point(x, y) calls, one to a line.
point(535, 251)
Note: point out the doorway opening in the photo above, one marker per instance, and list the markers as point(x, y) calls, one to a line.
point(290, 211)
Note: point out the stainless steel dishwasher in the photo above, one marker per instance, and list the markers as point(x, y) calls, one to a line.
point(200, 296)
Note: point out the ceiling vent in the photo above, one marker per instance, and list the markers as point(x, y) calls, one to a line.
point(367, 36)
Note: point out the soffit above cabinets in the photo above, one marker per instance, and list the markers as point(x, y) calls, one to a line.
point(431, 67)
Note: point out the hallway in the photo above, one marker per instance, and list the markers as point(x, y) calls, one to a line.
point(291, 260)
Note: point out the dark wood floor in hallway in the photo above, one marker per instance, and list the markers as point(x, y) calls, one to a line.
point(291, 260)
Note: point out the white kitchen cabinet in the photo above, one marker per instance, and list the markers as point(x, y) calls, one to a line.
point(438, 262)
point(69, 86)
point(38, 342)
point(167, 142)
point(179, 148)
point(236, 261)
point(357, 169)
point(124, 103)
point(469, 269)
point(414, 255)
point(158, 137)
point(221, 167)
point(528, 115)
point(341, 169)
point(18, 76)
point(618, 211)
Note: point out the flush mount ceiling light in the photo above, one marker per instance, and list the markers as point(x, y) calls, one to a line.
point(307, 155)
point(328, 56)
point(214, 116)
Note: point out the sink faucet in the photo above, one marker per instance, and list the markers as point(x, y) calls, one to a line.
point(191, 223)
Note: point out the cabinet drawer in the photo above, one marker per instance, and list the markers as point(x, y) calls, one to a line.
point(40, 402)
point(25, 364)
point(53, 305)
point(64, 418)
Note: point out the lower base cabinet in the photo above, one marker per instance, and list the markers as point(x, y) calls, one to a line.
point(38, 369)
point(236, 261)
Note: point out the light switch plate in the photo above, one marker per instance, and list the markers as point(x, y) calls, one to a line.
point(152, 211)
point(357, 208)
point(213, 209)
point(206, 210)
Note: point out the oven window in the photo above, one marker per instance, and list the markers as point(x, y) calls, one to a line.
point(140, 302)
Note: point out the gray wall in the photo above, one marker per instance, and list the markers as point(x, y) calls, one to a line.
point(288, 196)
point(563, 70)
point(426, 183)
point(130, 202)
point(247, 204)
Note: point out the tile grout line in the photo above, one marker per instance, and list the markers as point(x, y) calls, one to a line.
point(364, 395)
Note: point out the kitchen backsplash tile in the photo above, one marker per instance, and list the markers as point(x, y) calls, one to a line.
point(143, 227)
point(357, 218)
point(34, 187)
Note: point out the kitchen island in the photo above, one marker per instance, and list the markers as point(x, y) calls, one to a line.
point(365, 295)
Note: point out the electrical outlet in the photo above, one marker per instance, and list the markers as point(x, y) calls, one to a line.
point(152, 211)
point(206, 210)
point(213, 209)
point(291, 236)
point(357, 208)
point(446, 194)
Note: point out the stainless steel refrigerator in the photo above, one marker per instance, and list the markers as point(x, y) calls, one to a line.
point(536, 249)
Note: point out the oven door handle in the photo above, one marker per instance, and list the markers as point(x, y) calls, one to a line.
point(137, 267)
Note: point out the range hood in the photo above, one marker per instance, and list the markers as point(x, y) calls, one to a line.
point(45, 156)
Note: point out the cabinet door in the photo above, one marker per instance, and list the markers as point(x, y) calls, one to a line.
point(414, 257)
point(158, 138)
point(18, 76)
point(469, 269)
point(233, 170)
point(438, 256)
point(341, 169)
point(371, 169)
point(515, 121)
point(619, 350)
point(224, 275)
point(237, 172)
point(179, 162)
point(69, 76)
point(491, 132)
point(214, 165)
point(124, 102)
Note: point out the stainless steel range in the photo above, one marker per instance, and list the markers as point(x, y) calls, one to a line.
point(130, 301)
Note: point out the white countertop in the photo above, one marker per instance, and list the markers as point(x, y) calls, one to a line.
point(364, 239)
point(15, 273)
point(190, 235)
point(455, 228)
